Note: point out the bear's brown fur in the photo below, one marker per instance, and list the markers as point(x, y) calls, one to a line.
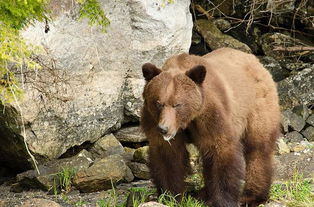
point(226, 104)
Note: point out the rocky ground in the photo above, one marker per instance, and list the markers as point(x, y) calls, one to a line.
point(119, 160)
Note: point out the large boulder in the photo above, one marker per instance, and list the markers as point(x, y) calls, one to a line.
point(91, 81)
point(290, 119)
point(103, 174)
point(131, 134)
point(297, 89)
point(215, 39)
point(49, 173)
point(105, 146)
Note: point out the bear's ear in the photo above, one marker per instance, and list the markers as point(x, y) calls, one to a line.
point(197, 73)
point(149, 71)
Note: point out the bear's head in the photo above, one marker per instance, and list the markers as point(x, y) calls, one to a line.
point(173, 97)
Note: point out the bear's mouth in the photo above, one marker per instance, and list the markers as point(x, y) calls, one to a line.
point(168, 137)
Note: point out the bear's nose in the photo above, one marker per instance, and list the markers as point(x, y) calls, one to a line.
point(163, 129)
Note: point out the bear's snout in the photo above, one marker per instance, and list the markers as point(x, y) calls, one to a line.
point(163, 129)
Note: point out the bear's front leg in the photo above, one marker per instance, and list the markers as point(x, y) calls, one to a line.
point(223, 170)
point(169, 164)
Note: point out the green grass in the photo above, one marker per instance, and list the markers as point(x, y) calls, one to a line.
point(187, 201)
point(112, 201)
point(140, 195)
point(62, 181)
point(80, 203)
point(296, 192)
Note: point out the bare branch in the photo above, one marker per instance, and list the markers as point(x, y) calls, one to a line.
point(293, 49)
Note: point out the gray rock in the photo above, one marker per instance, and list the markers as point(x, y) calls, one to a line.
point(308, 133)
point(302, 146)
point(129, 153)
point(302, 111)
point(105, 146)
point(103, 174)
point(295, 65)
point(294, 137)
point(140, 170)
point(274, 204)
point(310, 120)
point(48, 172)
point(278, 73)
point(91, 81)
point(141, 155)
point(282, 147)
point(293, 120)
point(131, 134)
point(132, 98)
point(152, 204)
point(39, 202)
point(86, 154)
point(222, 24)
point(12, 149)
point(196, 38)
point(195, 159)
point(287, 164)
point(215, 39)
point(297, 89)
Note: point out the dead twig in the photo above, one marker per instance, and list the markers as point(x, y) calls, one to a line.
point(202, 11)
point(293, 49)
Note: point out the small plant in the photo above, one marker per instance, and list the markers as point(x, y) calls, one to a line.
point(103, 203)
point(80, 203)
point(140, 195)
point(112, 201)
point(62, 181)
point(186, 201)
point(91, 9)
point(296, 192)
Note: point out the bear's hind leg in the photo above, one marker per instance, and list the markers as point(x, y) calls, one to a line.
point(259, 171)
point(169, 165)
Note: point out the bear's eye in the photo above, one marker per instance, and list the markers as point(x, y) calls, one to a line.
point(159, 105)
point(177, 105)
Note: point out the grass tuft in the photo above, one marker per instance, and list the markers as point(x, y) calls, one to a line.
point(296, 192)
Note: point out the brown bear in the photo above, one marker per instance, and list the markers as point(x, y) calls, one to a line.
point(226, 104)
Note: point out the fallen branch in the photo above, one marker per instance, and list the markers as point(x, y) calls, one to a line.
point(294, 48)
point(202, 11)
